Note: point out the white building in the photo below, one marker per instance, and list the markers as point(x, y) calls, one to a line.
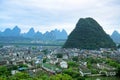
point(14, 72)
point(63, 64)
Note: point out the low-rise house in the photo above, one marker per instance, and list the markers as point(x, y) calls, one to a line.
point(75, 54)
point(50, 68)
point(14, 72)
point(111, 73)
point(4, 62)
point(48, 56)
point(37, 62)
point(108, 70)
point(84, 70)
point(85, 64)
point(54, 60)
point(105, 66)
point(20, 62)
point(28, 58)
point(65, 56)
point(63, 64)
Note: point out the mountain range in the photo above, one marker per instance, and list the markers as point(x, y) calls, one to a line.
point(88, 34)
point(15, 34)
point(32, 35)
point(8, 32)
point(116, 37)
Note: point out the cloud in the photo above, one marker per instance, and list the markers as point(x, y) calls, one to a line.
point(49, 14)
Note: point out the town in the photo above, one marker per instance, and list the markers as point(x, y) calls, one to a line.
point(51, 60)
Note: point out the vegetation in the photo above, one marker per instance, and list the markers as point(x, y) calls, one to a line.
point(118, 72)
point(72, 64)
point(88, 34)
point(73, 73)
point(59, 55)
point(114, 64)
point(4, 71)
point(45, 51)
point(25, 76)
point(61, 77)
point(75, 58)
point(44, 60)
point(22, 65)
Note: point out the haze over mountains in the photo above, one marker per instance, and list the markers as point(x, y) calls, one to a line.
point(88, 34)
point(31, 34)
point(15, 34)
point(116, 36)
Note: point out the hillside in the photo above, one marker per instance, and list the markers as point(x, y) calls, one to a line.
point(88, 34)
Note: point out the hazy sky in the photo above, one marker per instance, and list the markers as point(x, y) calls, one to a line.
point(45, 15)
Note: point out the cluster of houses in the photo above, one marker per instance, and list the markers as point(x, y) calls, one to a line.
point(57, 59)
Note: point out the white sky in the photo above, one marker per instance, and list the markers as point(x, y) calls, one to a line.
point(45, 15)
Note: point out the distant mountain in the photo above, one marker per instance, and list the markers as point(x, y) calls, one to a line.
point(38, 35)
point(116, 36)
point(14, 32)
point(88, 34)
point(7, 32)
point(49, 36)
point(32, 35)
point(55, 35)
point(60, 34)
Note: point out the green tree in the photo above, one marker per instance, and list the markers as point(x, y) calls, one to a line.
point(89, 65)
point(44, 77)
point(94, 71)
point(3, 78)
point(20, 76)
point(59, 55)
point(4, 71)
point(12, 67)
point(61, 77)
point(72, 64)
point(75, 58)
point(44, 60)
point(118, 72)
point(45, 51)
point(74, 74)
point(22, 65)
